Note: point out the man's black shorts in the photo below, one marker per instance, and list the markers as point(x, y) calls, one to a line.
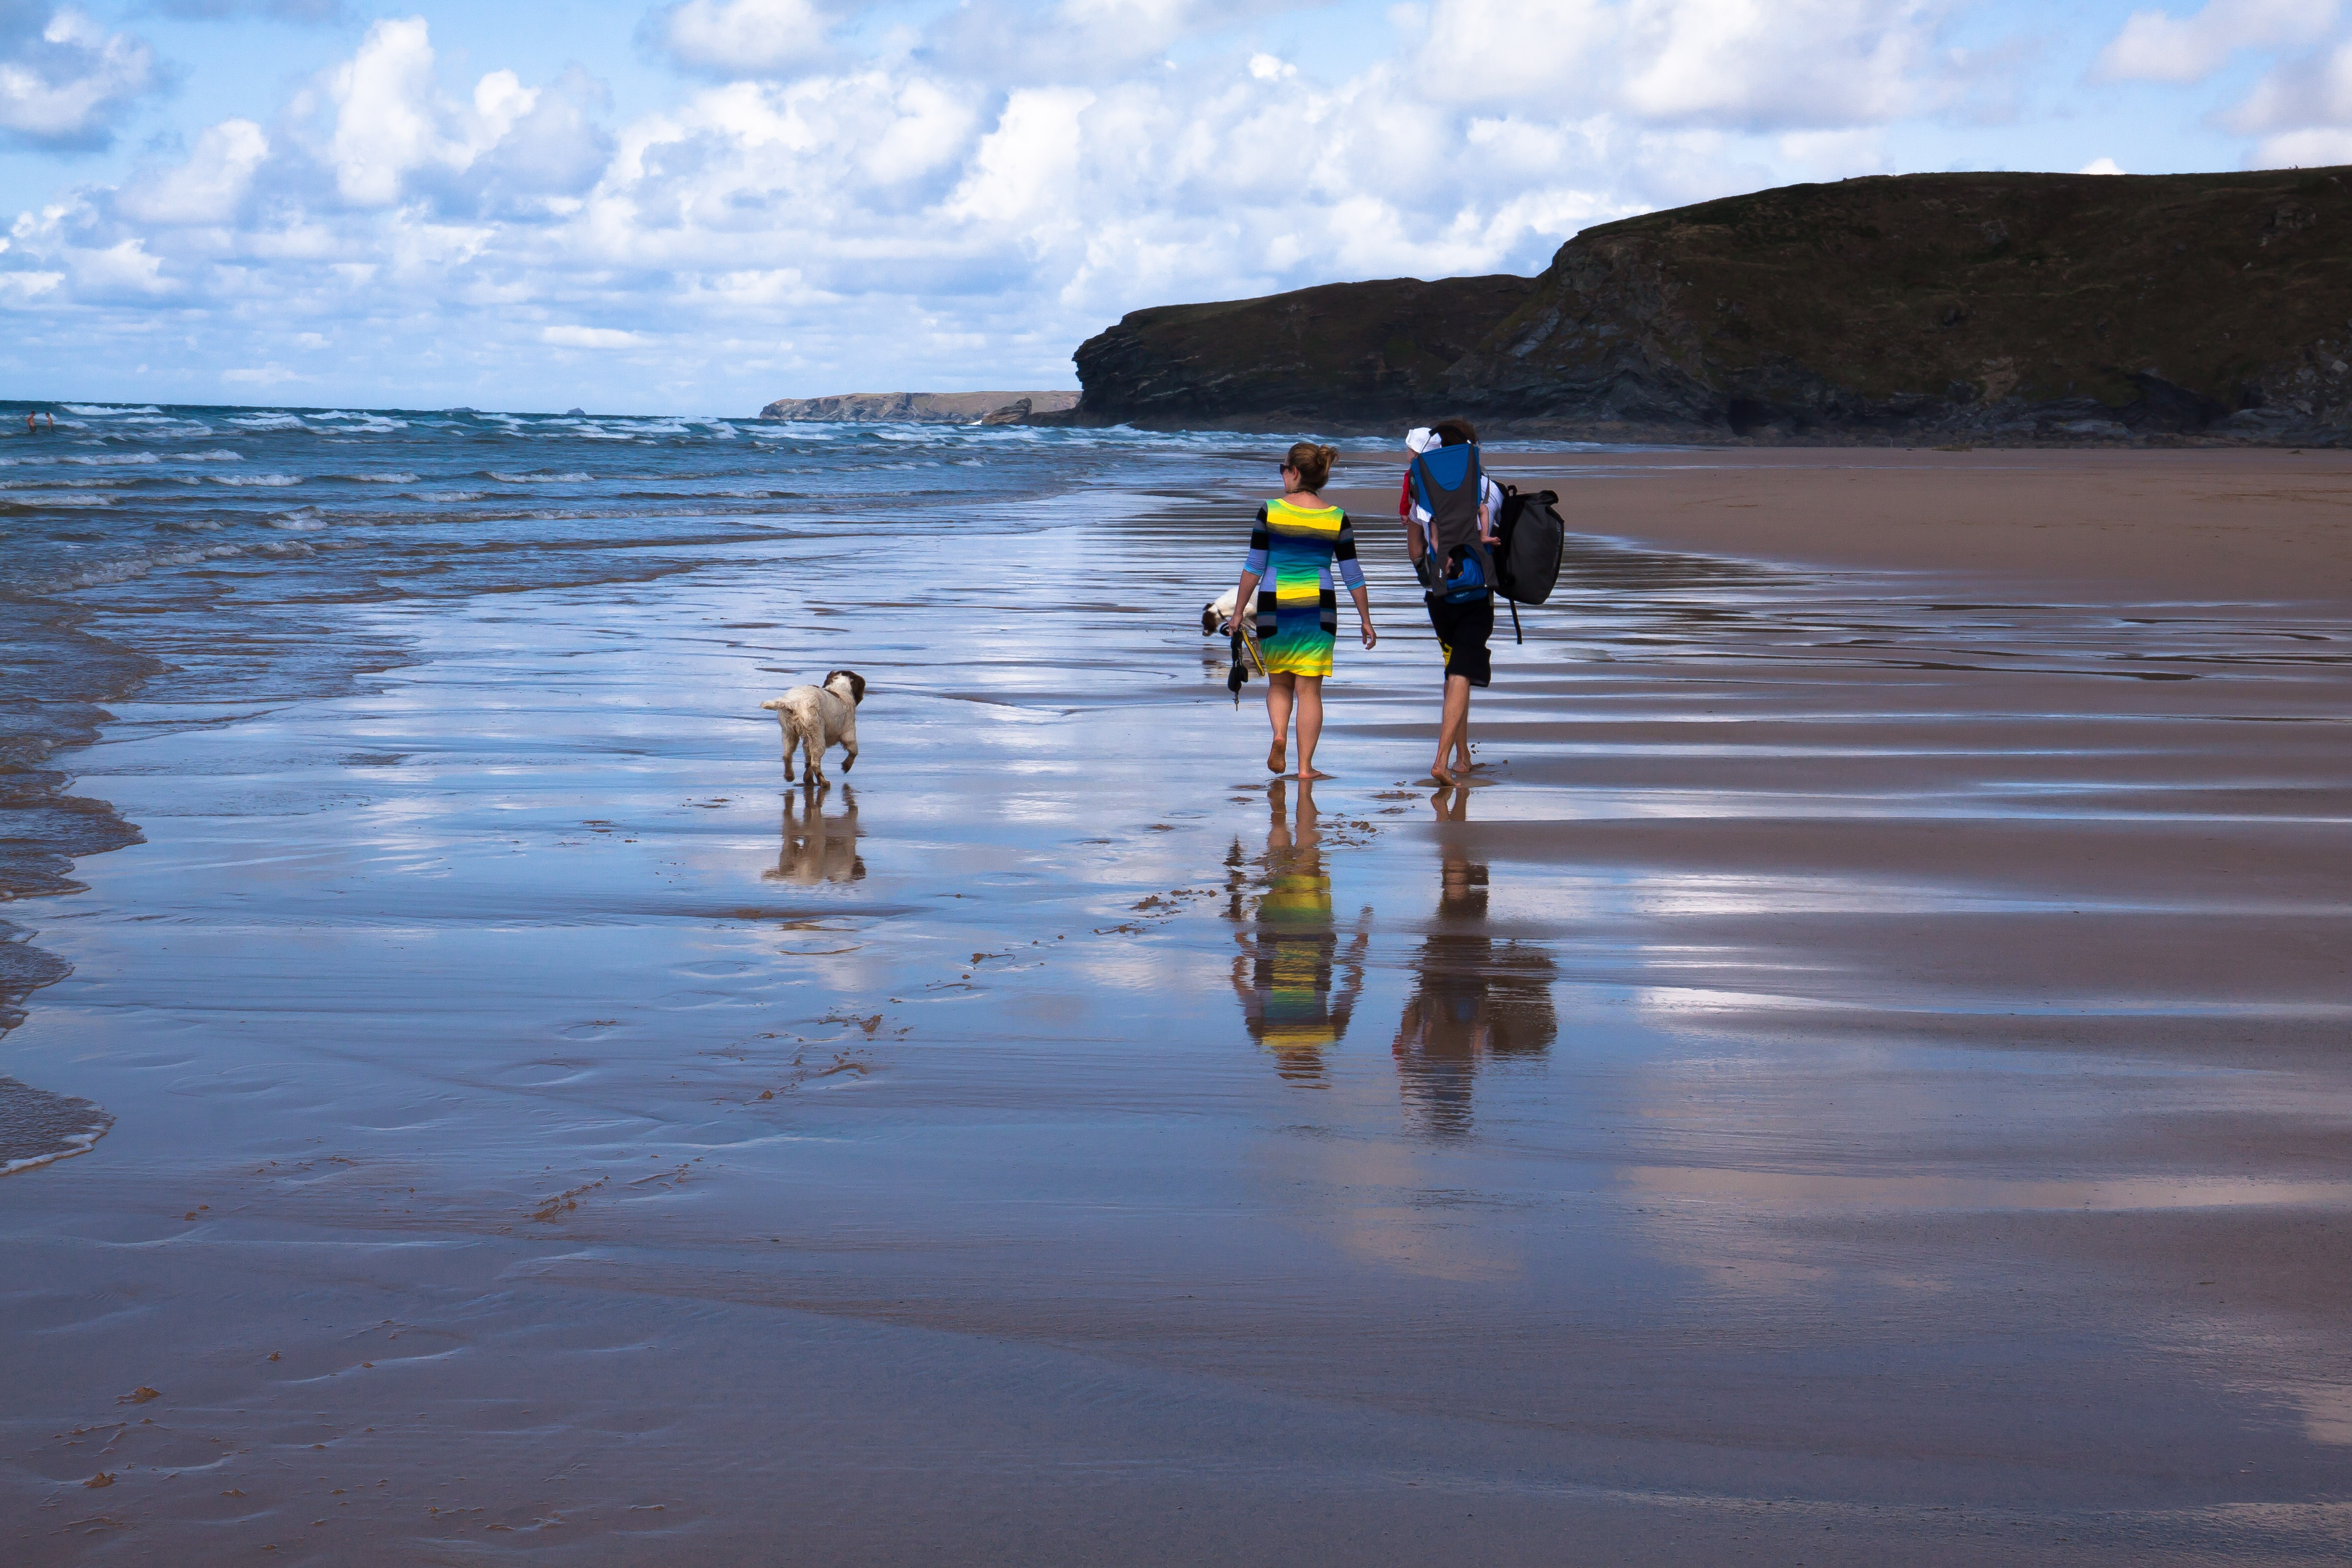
point(1462, 631)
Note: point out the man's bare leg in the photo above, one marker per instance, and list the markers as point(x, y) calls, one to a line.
point(1454, 729)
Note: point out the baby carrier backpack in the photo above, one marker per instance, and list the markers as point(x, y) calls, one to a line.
point(1529, 540)
point(1447, 482)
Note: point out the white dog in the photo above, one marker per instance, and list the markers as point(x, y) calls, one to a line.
point(816, 717)
point(1218, 612)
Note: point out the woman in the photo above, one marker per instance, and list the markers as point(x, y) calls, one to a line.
point(1291, 551)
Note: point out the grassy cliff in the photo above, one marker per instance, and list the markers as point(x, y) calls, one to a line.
point(1991, 306)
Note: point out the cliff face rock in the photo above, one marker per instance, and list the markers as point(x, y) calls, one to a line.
point(922, 407)
point(1994, 306)
point(1348, 352)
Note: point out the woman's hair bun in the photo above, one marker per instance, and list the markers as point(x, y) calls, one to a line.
point(1313, 463)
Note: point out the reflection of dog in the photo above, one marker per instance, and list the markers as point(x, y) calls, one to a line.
point(817, 848)
point(1217, 613)
point(816, 717)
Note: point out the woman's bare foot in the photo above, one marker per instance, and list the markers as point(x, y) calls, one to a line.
point(1311, 772)
point(1277, 756)
point(1437, 770)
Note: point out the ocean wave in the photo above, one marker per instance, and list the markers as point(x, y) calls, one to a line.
point(83, 460)
point(572, 478)
point(130, 568)
point(222, 455)
point(83, 500)
point(377, 479)
point(103, 411)
point(274, 481)
point(268, 422)
point(306, 521)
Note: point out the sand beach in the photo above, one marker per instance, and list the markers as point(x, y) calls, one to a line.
point(1862, 1078)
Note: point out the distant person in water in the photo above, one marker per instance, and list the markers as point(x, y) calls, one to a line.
point(1449, 530)
point(1292, 548)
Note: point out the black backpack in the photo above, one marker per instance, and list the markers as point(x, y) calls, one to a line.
point(1529, 540)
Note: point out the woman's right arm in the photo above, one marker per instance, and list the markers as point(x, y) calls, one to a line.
point(1254, 568)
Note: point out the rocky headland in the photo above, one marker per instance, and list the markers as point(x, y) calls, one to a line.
point(922, 407)
point(1975, 307)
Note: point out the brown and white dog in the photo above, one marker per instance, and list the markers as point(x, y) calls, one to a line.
point(1217, 614)
point(816, 717)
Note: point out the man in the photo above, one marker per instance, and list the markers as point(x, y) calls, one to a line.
point(1450, 506)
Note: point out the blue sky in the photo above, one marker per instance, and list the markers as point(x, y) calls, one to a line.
point(700, 205)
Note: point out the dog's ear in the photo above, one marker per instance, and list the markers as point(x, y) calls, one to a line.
point(856, 687)
point(1208, 620)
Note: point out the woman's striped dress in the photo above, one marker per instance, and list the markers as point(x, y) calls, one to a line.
point(1291, 551)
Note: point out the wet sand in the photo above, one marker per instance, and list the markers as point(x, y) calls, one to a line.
point(1865, 1079)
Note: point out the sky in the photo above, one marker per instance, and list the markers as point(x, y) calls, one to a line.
point(698, 207)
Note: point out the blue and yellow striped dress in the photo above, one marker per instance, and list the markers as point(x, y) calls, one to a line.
point(1291, 551)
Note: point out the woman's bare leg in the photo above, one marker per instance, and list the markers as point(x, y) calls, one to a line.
point(1279, 691)
point(1310, 724)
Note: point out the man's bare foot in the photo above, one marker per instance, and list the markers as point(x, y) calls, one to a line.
point(1312, 772)
point(1277, 756)
point(1437, 770)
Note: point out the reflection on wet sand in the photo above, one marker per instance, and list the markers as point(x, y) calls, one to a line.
point(818, 847)
point(1472, 997)
point(1291, 947)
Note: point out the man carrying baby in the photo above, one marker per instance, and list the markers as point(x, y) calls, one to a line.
point(1450, 506)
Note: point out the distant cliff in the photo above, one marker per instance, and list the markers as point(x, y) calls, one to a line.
point(2050, 307)
point(922, 407)
point(1344, 351)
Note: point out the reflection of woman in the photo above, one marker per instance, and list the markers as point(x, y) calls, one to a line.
point(1284, 973)
point(1292, 550)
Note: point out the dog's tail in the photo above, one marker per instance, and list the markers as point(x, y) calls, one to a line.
point(773, 703)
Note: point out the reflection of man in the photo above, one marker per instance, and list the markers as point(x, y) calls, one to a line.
point(817, 848)
point(1284, 974)
point(1472, 998)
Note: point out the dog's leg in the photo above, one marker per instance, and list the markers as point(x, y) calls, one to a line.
point(849, 742)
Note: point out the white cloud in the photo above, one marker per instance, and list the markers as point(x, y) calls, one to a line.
point(389, 115)
point(2101, 166)
point(1802, 64)
point(742, 37)
point(64, 79)
point(591, 338)
point(209, 188)
point(2156, 45)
